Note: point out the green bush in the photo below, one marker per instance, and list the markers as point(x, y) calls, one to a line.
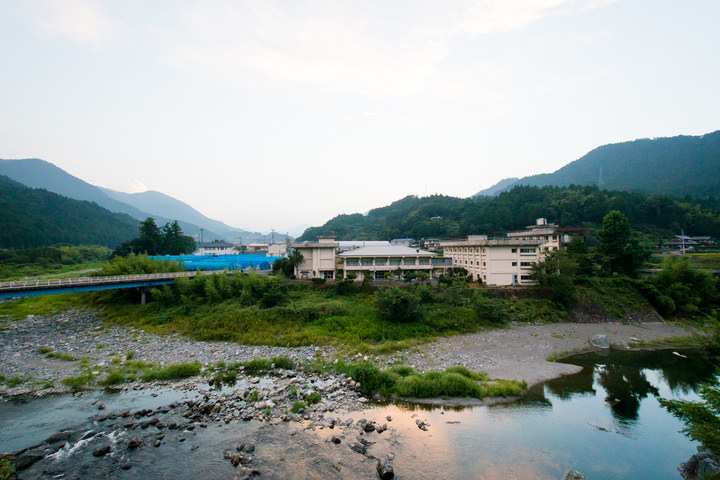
point(398, 305)
point(313, 398)
point(79, 382)
point(283, 362)
point(173, 372)
point(7, 469)
point(298, 406)
point(257, 365)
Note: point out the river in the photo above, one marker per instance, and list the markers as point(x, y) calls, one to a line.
point(605, 422)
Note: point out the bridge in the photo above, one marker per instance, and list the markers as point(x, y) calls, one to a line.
point(32, 288)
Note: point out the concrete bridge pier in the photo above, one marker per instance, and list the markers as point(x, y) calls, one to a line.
point(143, 294)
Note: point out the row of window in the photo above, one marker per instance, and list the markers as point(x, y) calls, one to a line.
point(479, 250)
point(381, 262)
point(514, 264)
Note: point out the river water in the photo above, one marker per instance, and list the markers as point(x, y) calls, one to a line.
point(605, 422)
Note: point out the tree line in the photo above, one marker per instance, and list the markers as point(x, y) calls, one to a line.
point(153, 240)
point(440, 216)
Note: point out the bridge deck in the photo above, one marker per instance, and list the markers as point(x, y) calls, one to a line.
point(25, 288)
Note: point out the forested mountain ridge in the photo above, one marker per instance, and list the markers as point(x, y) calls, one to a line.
point(37, 173)
point(35, 217)
point(682, 165)
point(447, 217)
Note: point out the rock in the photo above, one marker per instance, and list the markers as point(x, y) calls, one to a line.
point(101, 451)
point(335, 439)
point(59, 437)
point(249, 448)
point(27, 458)
point(385, 468)
point(600, 340)
point(157, 443)
point(708, 465)
point(369, 427)
point(134, 443)
point(574, 475)
point(358, 447)
point(239, 447)
point(620, 345)
point(126, 466)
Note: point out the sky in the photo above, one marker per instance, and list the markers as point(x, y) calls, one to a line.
point(277, 114)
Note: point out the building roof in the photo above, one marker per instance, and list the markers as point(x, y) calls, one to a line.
point(387, 251)
point(483, 242)
point(402, 240)
point(215, 245)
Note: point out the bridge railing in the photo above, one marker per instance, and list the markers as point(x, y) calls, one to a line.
point(66, 282)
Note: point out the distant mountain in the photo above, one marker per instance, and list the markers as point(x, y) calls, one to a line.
point(169, 207)
point(679, 166)
point(497, 188)
point(36, 173)
point(35, 217)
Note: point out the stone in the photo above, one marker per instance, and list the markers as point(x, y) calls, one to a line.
point(27, 458)
point(358, 447)
point(59, 437)
point(600, 340)
point(335, 439)
point(134, 443)
point(385, 468)
point(101, 451)
point(574, 475)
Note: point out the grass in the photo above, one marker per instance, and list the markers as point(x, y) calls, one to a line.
point(13, 381)
point(61, 356)
point(298, 406)
point(7, 469)
point(43, 305)
point(313, 398)
point(404, 381)
point(173, 372)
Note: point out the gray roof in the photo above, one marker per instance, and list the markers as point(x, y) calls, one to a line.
point(388, 251)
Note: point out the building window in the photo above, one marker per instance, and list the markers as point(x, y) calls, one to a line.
point(352, 262)
point(380, 275)
point(395, 261)
point(408, 261)
point(514, 264)
point(514, 250)
point(527, 250)
point(424, 261)
point(328, 275)
point(366, 262)
point(524, 277)
point(525, 264)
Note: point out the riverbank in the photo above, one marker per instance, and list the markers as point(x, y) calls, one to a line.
point(517, 352)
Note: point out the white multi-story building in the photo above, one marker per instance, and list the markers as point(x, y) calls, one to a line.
point(509, 260)
point(327, 259)
point(215, 248)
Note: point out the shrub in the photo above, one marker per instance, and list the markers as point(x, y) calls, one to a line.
point(283, 362)
point(313, 398)
point(114, 377)
point(7, 469)
point(79, 382)
point(398, 305)
point(298, 406)
point(173, 372)
point(257, 365)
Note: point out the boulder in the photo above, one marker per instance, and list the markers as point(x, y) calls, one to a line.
point(600, 341)
point(385, 468)
point(574, 475)
point(101, 451)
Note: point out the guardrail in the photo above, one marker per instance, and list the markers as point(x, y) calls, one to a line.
point(86, 281)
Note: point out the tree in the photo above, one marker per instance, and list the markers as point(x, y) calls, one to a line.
point(422, 276)
point(618, 251)
point(702, 419)
point(398, 305)
point(555, 276)
point(149, 240)
point(295, 259)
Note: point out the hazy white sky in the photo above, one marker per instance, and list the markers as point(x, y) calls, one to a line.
point(272, 114)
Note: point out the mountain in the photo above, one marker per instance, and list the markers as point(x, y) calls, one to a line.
point(497, 188)
point(679, 166)
point(36, 173)
point(35, 217)
point(574, 206)
point(169, 207)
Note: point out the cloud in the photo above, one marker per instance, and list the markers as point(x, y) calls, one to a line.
point(135, 186)
point(367, 48)
point(81, 21)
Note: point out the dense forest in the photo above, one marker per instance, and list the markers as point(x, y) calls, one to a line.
point(682, 165)
point(447, 217)
point(33, 218)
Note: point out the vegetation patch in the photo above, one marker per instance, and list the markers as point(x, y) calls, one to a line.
point(404, 381)
point(173, 372)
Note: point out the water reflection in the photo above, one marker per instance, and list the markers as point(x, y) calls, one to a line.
point(623, 377)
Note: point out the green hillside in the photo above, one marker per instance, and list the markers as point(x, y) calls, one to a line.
point(441, 216)
point(680, 166)
point(34, 217)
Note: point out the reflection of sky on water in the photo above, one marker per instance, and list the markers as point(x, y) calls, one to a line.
point(605, 422)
